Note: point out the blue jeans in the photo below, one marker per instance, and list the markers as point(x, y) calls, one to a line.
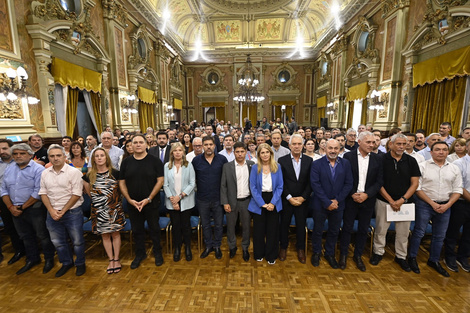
point(208, 209)
point(70, 224)
point(440, 221)
point(334, 224)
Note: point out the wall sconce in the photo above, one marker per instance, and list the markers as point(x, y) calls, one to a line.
point(376, 104)
point(330, 108)
point(13, 86)
point(129, 107)
point(169, 111)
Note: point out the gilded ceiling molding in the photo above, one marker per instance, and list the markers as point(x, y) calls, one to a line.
point(390, 6)
point(114, 11)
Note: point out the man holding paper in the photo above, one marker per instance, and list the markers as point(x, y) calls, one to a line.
point(439, 187)
point(401, 178)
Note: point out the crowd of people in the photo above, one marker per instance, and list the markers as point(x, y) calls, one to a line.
point(269, 173)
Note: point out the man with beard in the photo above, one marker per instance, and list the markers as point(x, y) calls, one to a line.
point(162, 150)
point(342, 141)
point(420, 141)
point(40, 153)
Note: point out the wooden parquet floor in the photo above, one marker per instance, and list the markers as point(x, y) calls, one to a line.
point(231, 285)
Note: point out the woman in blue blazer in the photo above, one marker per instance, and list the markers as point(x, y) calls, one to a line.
point(266, 189)
point(179, 183)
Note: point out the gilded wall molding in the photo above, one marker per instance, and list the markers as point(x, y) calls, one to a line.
point(390, 6)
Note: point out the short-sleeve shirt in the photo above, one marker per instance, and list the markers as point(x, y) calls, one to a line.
point(41, 155)
point(397, 175)
point(141, 176)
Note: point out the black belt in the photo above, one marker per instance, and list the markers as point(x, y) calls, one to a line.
point(441, 202)
point(243, 199)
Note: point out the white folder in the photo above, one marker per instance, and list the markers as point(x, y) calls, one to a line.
point(406, 213)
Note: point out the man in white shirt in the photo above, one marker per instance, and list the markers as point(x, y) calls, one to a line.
point(197, 149)
point(410, 143)
point(426, 152)
point(440, 185)
point(460, 216)
point(279, 151)
point(228, 148)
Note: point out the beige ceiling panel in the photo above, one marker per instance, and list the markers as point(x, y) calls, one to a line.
point(269, 29)
point(228, 31)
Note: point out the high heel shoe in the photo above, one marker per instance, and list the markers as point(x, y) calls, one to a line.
point(177, 254)
point(110, 270)
point(189, 255)
point(117, 269)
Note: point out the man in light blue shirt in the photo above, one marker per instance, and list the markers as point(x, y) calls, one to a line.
point(228, 152)
point(426, 152)
point(21, 183)
point(113, 151)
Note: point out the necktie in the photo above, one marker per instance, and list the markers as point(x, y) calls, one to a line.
point(161, 154)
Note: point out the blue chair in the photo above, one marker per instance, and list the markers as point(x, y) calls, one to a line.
point(310, 224)
point(195, 223)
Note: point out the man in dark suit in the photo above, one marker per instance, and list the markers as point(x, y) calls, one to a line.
point(296, 175)
point(367, 173)
point(235, 196)
point(162, 150)
point(331, 182)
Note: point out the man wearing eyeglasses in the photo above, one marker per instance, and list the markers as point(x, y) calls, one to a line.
point(351, 143)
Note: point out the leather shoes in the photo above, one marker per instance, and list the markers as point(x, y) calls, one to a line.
point(332, 261)
point(189, 254)
point(218, 253)
point(136, 263)
point(48, 266)
point(81, 269)
point(359, 263)
point(28, 265)
point(206, 252)
point(158, 259)
point(177, 254)
point(375, 259)
point(437, 266)
point(403, 264)
point(64, 269)
point(301, 256)
point(246, 255)
point(233, 252)
point(282, 254)
point(315, 259)
point(16, 257)
point(414, 265)
point(342, 261)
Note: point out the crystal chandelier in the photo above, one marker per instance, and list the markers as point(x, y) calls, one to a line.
point(248, 93)
point(13, 87)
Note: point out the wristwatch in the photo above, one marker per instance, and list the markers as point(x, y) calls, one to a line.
point(150, 200)
point(406, 200)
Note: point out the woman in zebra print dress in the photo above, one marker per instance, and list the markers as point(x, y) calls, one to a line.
point(107, 215)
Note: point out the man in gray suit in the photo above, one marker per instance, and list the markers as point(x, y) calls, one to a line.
point(235, 196)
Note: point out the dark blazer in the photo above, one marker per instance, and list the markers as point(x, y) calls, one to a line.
point(228, 183)
point(292, 186)
point(374, 179)
point(155, 151)
point(325, 188)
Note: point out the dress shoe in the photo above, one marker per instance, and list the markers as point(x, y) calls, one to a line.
point(233, 252)
point(282, 254)
point(414, 265)
point(451, 264)
point(48, 266)
point(27, 266)
point(437, 266)
point(159, 259)
point(359, 263)
point(315, 259)
point(246, 255)
point(403, 264)
point(81, 269)
point(272, 262)
point(1, 258)
point(375, 259)
point(136, 263)
point(177, 254)
point(64, 269)
point(189, 254)
point(206, 252)
point(332, 261)
point(301, 256)
point(218, 253)
point(342, 261)
point(16, 257)
point(463, 263)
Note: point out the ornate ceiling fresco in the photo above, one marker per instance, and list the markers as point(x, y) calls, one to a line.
point(218, 26)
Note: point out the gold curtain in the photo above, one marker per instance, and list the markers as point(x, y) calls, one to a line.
point(71, 111)
point(96, 104)
point(146, 95)
point(350, 114)
point(321, 102)
point(250, 112)
point(321, 114)
point(146, 116)
point(357, 92)
point(220, 113)
point(289, 109)
point(364, 112)
point(69, 74)
point(446, 66)
point(220, 104)
point(177, 104)
point(439, 102)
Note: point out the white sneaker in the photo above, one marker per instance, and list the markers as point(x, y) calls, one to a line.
point(272, 262)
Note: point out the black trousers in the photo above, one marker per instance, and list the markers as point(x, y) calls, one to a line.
point(300, 213)
point(181, 227)
point(10, 230)
point(151, 215)
point(266, 232)
point(459, 216)
point(363, 214)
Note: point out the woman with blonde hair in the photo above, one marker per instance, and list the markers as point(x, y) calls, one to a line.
point(457, 150)
point(179, 183)
point(107, 216)
point(266, 186)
